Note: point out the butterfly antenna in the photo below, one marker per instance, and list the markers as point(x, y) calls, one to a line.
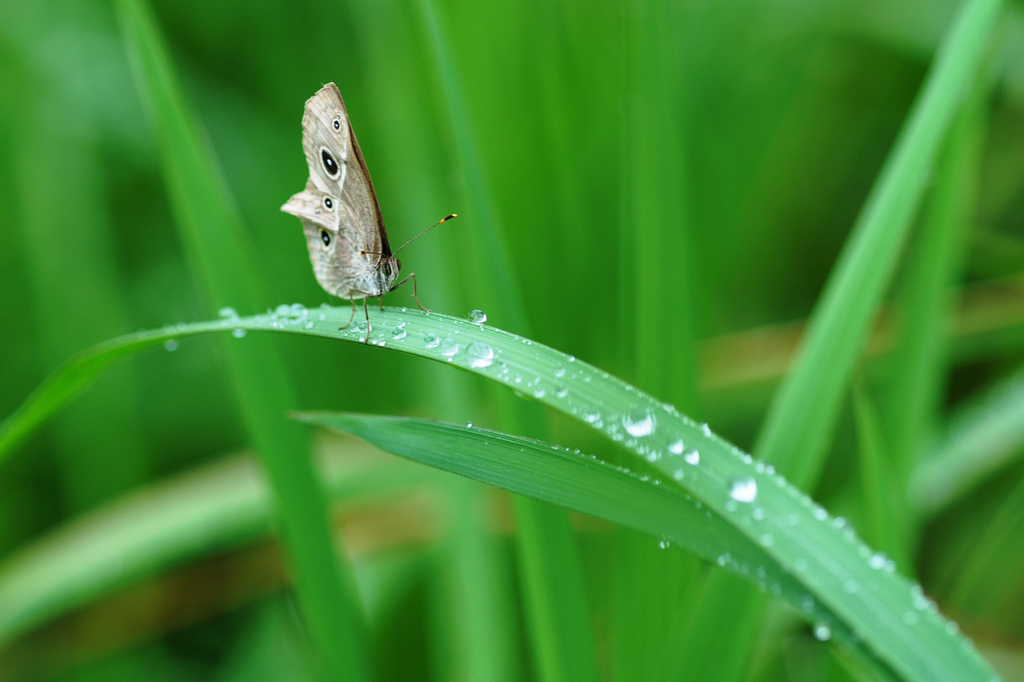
point(444, 219)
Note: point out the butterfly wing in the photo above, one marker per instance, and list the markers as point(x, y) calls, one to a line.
point(346, 262)
point(336, 264)
point(337, 167)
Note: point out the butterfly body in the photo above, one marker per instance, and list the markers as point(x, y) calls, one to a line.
point(348, 245)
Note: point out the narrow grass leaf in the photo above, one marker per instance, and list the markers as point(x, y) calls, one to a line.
point(982, 438)
point(557, 612)
point(914, 382)
point(844, 576)
point(794, 435)
point(211, 231)
point(883, 528)
point(217, 507)
point(994, 566)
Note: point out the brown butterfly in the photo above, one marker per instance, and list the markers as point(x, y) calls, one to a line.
point(345, 233)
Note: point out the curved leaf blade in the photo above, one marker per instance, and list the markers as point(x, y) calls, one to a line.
point(890, 615)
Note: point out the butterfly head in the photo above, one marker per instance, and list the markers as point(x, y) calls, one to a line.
point(386, 269)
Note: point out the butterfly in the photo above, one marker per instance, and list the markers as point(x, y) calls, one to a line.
point(340, 216)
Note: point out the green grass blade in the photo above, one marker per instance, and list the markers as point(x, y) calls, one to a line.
point(882, 528)
point(490, 270)
point(90, 470)
point(557, 612)
point(656, 303)
point(983, 437)
point(842, 574)
point(589, 485)
point(211, 509)
point(797, 427)
point(992, 569)
point(796, 430)
point(913, 390)
point(576, 481)
point(211, 231)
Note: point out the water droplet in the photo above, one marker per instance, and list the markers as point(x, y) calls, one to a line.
point(559, 370)
point(767, 540)
point(706, 429)
point(538, 393)
point(170, 345)
point(309, 325)
point(227, 313)
point(431, 341)
point(664, 544)
point(561, 391)
point(676, 446)
point(238, 333)
point(449, 347)
point(480, 355)
point(400, 324)
point(398, 333)
point(692, 457)
point(281, 311)
point(297, 312)
point(638, 423)
point(877, 560)
point(477, 316)
point(822, 632)
point(743, 489)
point(591, 417)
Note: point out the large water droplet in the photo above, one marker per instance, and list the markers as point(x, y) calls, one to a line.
point(692, 457)
point(480, 355)
point(170, 345)
point(559, 370)
point(431, 341)
point(281, 311)
point(638, 423)
point(561, 391)
point(398, 333)
point(449, 347)
point(477, 316)
point(297, 312)
point(822, 632)
point(591, 416)
point(676, 446)
point(228, 313)
point(238, 333)
point(743, 489)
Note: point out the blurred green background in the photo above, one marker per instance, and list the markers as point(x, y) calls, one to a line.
point(671, 184)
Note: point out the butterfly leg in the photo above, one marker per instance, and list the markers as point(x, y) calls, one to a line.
point(417, 298)
point(351, 317)
point(381, 299)
point(366, 312)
